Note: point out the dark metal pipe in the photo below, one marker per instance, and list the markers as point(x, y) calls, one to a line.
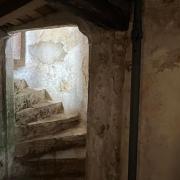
point(135, 90)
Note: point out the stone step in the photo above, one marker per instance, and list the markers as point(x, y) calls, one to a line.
point(28, 97)
point(19, 85)
point(38, 111)
point(75, 137)
point(72, 153)
point(46, 178)
point(66, 163)
point(51, 125)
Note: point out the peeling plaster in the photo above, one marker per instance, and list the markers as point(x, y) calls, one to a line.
point(57, 60)
point(55, 51)
point(164, 59)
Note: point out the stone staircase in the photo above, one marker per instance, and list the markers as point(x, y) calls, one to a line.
point(49, 143)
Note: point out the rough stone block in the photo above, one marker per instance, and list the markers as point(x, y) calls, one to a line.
point(28, 97)
point(37, 147)
point(51, 125)
point(38, 111)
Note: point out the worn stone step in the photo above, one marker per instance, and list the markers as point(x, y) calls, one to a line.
point(75, 137)
point(51, 125)
point(38, 111)
point(46, 178)
point(19, 85)
point(28, 97)
point(72, 153)
point(66, 163)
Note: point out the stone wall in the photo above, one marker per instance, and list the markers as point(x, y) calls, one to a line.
point(3, 160)
point(108, 114)
point(57, 60)
point(107, 73)
point(105, 105)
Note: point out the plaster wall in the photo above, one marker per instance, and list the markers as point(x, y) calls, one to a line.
point(57, 60)
point(160, 94)
point(160, 101)
point(107, 75)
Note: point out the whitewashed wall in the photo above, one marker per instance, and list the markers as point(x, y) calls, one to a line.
point(57, 60)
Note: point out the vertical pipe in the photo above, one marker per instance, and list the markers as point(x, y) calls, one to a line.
point(135, 90)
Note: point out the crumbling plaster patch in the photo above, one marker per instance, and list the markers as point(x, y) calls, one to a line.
point(47, 52)
point(57, 60)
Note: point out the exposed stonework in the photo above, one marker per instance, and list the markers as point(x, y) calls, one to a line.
point(105, 104)
point(49, 144)
point(159, 135)
point(3, 161)
point(57, 59)
point(29, 97)
point(107, 55)
point(19, 85)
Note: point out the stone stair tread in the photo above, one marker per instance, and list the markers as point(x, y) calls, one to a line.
point(48, 178)
point(54, 118)
point(20, 84)
point(51, 125)
point(41, 110)
point(73, 153)
point(65, 163)
point(30, 90)
point(40, 105)
point(45, 103)
point(67, 133)
point(28, 97)
point(36, 147)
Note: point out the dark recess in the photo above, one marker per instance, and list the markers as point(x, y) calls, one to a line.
point(8, 6)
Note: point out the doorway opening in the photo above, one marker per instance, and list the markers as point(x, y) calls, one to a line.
point(51, 96)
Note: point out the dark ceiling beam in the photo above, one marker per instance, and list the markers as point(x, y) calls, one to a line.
point(9, 6)
point(22, 12)
point(102, 13)
point(124, 5)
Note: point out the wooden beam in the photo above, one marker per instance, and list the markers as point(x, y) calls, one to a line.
point(102, 13)
point(8, 6)
point(22, 11)
point(63, 18)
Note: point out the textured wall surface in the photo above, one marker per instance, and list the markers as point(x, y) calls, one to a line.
point(105, 105)
point(108, 53)
point(160, 94)
point(159, 135)
point(57, 60)
point(3, 160)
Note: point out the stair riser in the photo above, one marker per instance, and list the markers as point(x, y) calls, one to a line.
point(33, 114)
point(55, 177)
point(40, 130)
point(38, 148)
point(57, 167)
point(20, 85)
point(46, 178)
point(52, 168)
point(26, 100)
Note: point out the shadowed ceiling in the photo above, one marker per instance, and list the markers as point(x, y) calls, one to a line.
point(112, 14)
